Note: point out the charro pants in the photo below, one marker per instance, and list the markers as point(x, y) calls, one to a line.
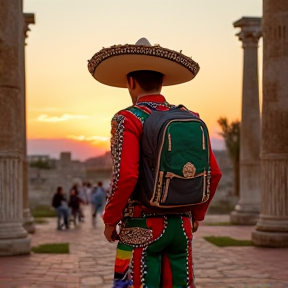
point(155, 252)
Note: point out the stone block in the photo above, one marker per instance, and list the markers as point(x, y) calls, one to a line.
point(9, 247)
point(270, 239)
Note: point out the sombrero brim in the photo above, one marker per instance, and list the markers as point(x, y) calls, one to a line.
point(111, 65)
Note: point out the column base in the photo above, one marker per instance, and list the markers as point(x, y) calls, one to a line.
point(270, 239)
point(271, 231)
point(271, 223)
point(28, 221)
point(243, 218)
point(10, 247)
point(14, 239)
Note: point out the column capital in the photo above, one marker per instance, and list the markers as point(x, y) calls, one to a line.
point(251, 30)
point(29, 18)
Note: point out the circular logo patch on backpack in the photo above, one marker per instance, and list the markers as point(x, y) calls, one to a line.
point(189, 170)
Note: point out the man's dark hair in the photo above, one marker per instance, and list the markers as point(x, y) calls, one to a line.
point(148, 80)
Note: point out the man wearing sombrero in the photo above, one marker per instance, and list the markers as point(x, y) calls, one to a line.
point(154, 248)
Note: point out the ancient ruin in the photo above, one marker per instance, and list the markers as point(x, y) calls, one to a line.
point(247, 210)
point(13, 237)
point(266, 174)
point(28, 221)
point(272, 226)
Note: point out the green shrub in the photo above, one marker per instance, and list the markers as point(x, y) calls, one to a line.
point(53, 248)
point(218, 224)
point(43, 211)
point(40, 164)
point(224, 241)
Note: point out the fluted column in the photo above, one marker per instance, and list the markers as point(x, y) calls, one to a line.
point(272, 226)
point(28, 220)
point(13, 238)
point(247, 209)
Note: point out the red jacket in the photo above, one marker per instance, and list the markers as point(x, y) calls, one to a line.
point(126, 130)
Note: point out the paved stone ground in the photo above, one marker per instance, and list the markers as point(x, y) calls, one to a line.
point(90, 262)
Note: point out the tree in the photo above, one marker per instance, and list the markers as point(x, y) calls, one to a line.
point(40, 164)
point(231, 134)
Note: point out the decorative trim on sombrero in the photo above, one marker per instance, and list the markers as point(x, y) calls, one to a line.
point(156, 51)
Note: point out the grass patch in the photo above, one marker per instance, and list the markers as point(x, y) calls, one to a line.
point(53, 248)
point(43, 211)
point(224, 241)
point(218, 224)
point(40, 221)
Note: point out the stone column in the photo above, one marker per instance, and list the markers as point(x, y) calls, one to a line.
point(28, 220)
point(13, 238)
point(272, 226)
point(247, 209)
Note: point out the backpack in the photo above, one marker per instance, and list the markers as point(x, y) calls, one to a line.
point(174, 169)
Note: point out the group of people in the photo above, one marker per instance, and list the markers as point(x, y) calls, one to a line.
point(72, 209)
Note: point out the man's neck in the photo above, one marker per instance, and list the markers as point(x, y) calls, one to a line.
point(145, 94)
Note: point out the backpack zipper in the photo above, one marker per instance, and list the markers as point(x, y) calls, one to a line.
point(169, 142)
point(203, 138)
point(159, 186)
point(167, 183)
point(156, 189)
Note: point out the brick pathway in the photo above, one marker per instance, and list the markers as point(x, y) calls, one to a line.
point(90, 262)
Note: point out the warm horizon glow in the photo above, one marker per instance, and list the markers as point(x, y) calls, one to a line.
point(97, 141)
point(65, 102)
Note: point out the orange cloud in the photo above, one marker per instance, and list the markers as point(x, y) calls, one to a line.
point(99, 141)
point(64, 117)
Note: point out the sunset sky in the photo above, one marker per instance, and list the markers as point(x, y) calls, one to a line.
point(67, 110)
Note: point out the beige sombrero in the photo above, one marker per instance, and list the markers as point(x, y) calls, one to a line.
point(111, 65)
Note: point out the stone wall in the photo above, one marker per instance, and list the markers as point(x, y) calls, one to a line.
point(42, 183)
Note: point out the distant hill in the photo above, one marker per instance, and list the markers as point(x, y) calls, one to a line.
point(103, 162)
point(82, 150)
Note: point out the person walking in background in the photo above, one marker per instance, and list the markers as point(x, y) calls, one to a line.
point(74, 204)
point(89, 190)
point(98, 201)
point(164, 171)
point(59, 202)
point(81, 195)
point(91, 198)
point(83, 192)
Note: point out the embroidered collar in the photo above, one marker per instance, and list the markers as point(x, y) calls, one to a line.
point(156, 98)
